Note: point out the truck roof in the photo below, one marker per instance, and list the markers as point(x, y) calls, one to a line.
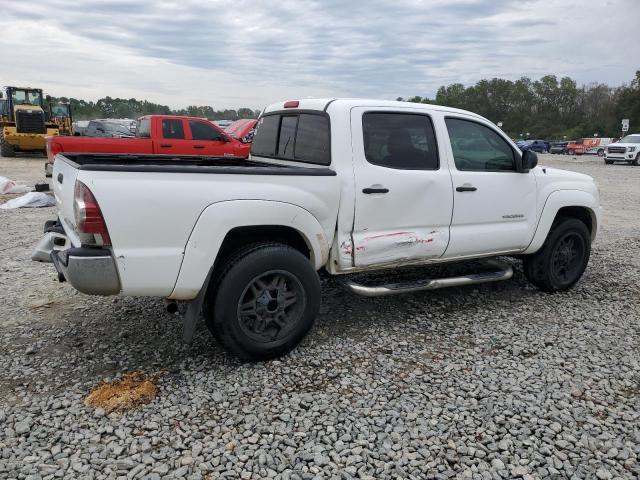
point(323, 104)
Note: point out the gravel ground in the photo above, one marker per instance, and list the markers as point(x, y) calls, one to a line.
point(494, 381)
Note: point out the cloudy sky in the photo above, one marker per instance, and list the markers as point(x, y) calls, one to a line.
point(247, 53)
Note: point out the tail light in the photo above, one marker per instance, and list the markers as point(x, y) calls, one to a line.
point(89, 219)
point(53, 148)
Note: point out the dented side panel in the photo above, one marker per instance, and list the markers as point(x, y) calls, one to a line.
point(410, 221)
point(403, 246)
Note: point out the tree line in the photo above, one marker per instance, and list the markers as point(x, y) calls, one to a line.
point(108, 107)
point(548, 108)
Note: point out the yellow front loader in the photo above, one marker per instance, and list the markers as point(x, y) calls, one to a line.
point(23, 121)
point(62, 117)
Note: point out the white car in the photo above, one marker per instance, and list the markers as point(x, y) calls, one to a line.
point(341, 185)
point(626, 150)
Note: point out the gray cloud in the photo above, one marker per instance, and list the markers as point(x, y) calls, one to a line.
point(376, 48)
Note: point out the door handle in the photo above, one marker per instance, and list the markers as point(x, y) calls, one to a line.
point(375, 190)
point(166, 145)
point(198, 146)
point(466, 188)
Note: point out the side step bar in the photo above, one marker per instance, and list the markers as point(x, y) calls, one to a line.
point(503, 272)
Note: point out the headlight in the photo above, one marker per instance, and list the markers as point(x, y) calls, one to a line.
point(632, 149)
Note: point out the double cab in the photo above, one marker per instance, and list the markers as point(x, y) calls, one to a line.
point(336, 185)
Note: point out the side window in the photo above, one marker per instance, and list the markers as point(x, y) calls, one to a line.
point(203, 131)
point(478, 148)
point(266, 137)
point(400, 140)
point(172, 128)
point(287, 137)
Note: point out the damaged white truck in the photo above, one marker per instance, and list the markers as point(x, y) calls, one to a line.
point(343, 185)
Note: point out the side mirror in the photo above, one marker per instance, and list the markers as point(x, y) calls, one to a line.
point(527, 161)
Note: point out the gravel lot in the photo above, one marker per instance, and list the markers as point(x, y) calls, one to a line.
point(495, 381)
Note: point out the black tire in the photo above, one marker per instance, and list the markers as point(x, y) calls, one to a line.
point(6, 149)
point(279, 290)
point(636, 161)
point(570, 152)
point(608, 162)
point(601, 152)
point(545, 268)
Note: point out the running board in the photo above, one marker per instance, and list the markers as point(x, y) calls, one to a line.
point(505, 272)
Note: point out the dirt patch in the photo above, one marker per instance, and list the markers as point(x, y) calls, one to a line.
point(132, 390)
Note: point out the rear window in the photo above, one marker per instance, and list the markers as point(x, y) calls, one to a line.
point(302, 137)
point(143, 129)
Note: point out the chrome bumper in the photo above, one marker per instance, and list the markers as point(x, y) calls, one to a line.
point(89, 270)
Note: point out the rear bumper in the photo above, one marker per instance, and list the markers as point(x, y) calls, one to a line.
point(89, 270)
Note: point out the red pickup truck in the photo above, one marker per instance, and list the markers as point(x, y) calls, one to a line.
point(156, 134)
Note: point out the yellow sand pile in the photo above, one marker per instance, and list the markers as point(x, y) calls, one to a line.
point(130, 391)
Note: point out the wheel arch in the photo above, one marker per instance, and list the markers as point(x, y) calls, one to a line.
point(566, 203)
point(220, 230)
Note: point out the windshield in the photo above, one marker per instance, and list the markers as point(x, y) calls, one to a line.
point(117, 128)
point(60, 110)
point(26, 97)
point(631, 139)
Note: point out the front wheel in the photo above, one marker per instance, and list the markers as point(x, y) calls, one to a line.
point(570, 152)
point(6, 149)
point(263, 302)
point(600, 152)
point(563, 258)
point(636, 161)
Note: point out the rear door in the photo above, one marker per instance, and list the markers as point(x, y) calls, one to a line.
point(170, 137)
point(208, 140)
point(403, 192)
point(495, 206)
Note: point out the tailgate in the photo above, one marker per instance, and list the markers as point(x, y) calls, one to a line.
point(64, 182)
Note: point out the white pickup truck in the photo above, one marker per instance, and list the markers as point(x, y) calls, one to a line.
point(343, 185)
point(626, 150)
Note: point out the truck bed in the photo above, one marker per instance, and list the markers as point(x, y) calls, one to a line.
point(186, 164)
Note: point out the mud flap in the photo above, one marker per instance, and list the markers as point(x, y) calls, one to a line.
point(194, 308)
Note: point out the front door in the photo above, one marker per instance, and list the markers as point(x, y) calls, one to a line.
point(207, 140)
point(403, 196)
point(494, 206)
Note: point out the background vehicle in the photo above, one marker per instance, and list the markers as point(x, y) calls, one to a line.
point(242, 129)
point(583, 146)
point(109, 128)
point(155, 134)
point(80, 128)
point(346, 186)
point(558, 147)
point(539, 146)
point(60, 114)
point(23, 121)
point(222, 123)
point(626, 150)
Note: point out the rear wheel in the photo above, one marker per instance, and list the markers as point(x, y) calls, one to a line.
point(6, 149)
point(570, 151)
point(563, 258)
point(263, 302)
